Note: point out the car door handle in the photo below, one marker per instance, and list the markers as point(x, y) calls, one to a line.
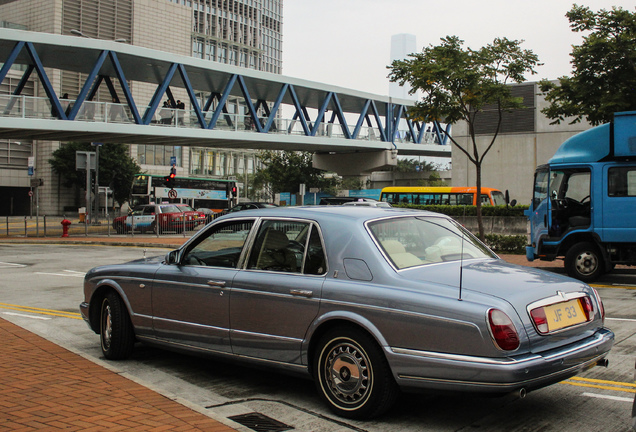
point(217, 283)
point(302, 293)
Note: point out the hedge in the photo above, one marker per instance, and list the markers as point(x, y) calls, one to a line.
point(486, 210)
point(514, 244)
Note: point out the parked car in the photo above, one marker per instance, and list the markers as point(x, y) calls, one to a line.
point(159, 218)
point(250, 206)
point(366, 301)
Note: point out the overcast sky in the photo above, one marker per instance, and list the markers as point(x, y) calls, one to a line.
point(347, 42)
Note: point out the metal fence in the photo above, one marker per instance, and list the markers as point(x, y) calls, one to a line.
point(53, 226)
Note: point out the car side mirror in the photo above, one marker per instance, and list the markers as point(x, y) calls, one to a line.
point(172, 257)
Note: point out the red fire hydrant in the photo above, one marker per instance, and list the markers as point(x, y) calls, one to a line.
point(65, 224)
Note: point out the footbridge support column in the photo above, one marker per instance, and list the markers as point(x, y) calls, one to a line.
point(354, 164)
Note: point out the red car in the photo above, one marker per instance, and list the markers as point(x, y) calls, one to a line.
point(159, 218)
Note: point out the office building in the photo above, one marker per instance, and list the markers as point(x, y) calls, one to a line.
point(244, 33)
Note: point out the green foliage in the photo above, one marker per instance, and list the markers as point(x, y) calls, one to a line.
point(411, 165)
point(513, 244)
point(286, 170)
point(603, 77)
point(454, 210)
point(457, 83)
point(116, 168)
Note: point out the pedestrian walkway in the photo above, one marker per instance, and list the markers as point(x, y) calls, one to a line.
point(46, 387)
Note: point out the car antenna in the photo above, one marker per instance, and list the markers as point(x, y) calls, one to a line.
point(461, 269)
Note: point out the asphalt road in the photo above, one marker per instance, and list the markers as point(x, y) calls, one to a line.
point(41, 288)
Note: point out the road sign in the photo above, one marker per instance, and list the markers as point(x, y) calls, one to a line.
point(172, 194)
point(30, 193)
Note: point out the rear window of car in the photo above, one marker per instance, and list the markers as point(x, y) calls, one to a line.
point(414, 241)
point(169, 209)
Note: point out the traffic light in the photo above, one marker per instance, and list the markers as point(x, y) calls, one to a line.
point(233, 192)
point(169, 180)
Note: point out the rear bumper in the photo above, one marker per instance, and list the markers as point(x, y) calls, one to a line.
point(426, 370)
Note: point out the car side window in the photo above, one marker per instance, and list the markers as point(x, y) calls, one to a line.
point(315, 262)
point(287, 246)
point(222, 246)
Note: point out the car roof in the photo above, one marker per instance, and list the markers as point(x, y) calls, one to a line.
point(328, 212)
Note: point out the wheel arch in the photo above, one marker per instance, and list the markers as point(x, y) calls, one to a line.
point(582, 237)
point(100, 292)
point(333, 320)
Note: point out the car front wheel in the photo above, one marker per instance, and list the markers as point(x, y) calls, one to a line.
point(115, 330)
point(352, 374)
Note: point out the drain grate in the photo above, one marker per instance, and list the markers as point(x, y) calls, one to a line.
point(260, 422)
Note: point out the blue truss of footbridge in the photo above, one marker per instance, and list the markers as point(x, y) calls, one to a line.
point(323, 118)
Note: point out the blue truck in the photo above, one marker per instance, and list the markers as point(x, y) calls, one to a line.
point(583, 208)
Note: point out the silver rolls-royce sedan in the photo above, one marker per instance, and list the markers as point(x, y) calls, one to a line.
point(365, 301)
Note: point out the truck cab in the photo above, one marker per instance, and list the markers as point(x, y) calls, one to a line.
point(584, 205)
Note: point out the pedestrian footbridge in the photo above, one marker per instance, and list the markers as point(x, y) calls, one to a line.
point(281, 113)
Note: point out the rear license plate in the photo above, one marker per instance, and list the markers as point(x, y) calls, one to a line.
point(565, 314)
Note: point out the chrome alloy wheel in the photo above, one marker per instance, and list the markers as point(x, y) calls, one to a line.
point(106, 327)
point(347, 372)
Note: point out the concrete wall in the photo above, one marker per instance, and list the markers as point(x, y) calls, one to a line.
point(502, 225)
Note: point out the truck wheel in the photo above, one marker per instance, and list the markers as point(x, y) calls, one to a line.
point(584, 262)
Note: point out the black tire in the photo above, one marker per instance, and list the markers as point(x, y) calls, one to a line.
point(115, 329)
point(584, 262)
point(119, 229)
point(352, 374)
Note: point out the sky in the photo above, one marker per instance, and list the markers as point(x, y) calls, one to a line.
point(347, 42)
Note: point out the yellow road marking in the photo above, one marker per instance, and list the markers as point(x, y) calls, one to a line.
point(596, 383)
point(628, 287)
point(41, 311)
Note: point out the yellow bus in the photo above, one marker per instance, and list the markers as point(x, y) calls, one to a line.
point(444, 195)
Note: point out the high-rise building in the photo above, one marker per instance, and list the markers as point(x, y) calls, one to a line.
point(402, 45)
point(244, 33)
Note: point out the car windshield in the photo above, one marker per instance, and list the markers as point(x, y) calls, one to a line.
point(185, 208)
point(414, 241)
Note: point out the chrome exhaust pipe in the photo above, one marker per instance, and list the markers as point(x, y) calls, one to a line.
point(603, 362)
point(522, 393)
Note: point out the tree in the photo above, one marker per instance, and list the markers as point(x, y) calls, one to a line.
point(414, 165)
point(603, 77)
point(116, 168)
point(286, 170)
point(457, 84)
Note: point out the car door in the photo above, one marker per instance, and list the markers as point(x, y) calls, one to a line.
point(190, 298)
point(276, 297)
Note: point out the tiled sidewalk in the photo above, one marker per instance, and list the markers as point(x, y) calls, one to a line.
point(46, 387)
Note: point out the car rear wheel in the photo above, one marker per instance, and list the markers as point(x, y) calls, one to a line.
point(115, 330)
point(584, 262)
point(352, 374)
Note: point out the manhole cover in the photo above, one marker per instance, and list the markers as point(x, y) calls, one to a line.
point(260, 422)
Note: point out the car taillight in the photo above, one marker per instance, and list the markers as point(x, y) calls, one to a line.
point(503, 330)
point(586, 304)
point(540, 320)
point(600, 304)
